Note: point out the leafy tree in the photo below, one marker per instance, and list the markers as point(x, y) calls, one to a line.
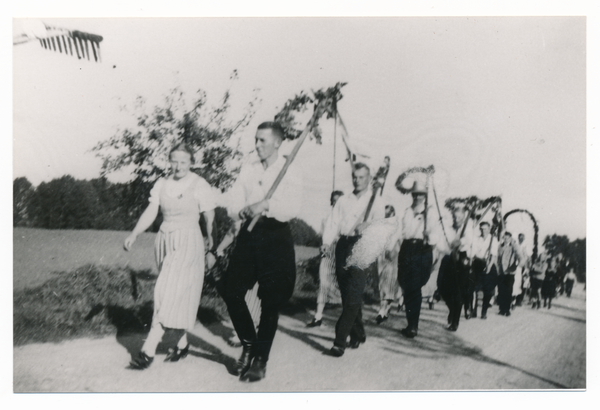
point(22, 192)
point(556, 244)
point(65, 203)
point(577, 255)
point(209, 131)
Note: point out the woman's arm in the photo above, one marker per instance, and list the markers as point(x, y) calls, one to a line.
point(209, 217)
point(148, 216)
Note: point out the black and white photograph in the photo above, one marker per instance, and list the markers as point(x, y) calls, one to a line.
point(299, 204)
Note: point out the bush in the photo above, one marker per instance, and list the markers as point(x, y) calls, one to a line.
point(87, 302)
point(304, 234)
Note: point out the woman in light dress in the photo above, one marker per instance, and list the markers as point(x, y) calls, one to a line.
point(179, 250)
point(387, 266)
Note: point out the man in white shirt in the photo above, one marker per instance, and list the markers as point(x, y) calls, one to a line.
point(455, 267)
point(264, 255)
point(484, 266)
point(350, 217)
point(509, 259)
point(416, 256)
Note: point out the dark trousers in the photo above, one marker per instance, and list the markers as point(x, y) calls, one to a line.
point(505, 288)
point(470, 284)
point(452, 282)
point(265, 255)
point(486, 284)
point(536, 285)
point(351, 281)
point(569, 287)
point(414, 268)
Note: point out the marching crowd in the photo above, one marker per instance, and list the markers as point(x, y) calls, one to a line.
point(465, 265)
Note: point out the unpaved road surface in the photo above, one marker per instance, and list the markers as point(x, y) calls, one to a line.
point(532, 349)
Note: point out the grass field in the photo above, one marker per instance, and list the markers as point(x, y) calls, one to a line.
point(37, 253)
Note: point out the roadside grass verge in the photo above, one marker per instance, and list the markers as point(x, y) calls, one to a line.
point(100, 300)
point(92, 301)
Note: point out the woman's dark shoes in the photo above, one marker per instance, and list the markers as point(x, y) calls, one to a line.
point(175, 354)
point(244, 362)
point(315, 323)
point(141, 362)
point(409, 332)
point(380, 319)
point(335, 351)
point(452, 328)
point(256, 372)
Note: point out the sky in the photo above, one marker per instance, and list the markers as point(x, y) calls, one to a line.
point(496, 104)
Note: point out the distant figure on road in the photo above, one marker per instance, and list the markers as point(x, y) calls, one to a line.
point(347, 224)
point(537, 275)
point(180, 251)
point(387, 266)
point(509, 259)
point(265, 254)
point(484, 266)
point(570, 279)
point(520, 272)
point(328, 288)
point(550, 283)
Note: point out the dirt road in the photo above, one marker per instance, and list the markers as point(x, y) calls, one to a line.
point(532, 349)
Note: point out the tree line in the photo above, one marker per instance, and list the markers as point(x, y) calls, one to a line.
point(69, 203)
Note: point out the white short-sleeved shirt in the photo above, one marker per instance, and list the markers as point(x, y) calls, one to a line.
point(203, 192)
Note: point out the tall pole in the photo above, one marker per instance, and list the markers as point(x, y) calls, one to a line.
point(334, 146)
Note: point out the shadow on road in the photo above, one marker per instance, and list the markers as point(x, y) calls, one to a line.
point(434, 341)
point(214, 354)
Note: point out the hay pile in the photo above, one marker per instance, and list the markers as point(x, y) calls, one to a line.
point(375, 239)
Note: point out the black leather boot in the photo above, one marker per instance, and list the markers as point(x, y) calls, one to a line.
point(257, 371)
point(245, 360)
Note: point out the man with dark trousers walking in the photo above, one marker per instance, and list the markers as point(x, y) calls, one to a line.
point(415, 258)
point(266, 253)
point(453, 277)
point(484, 266)
point(509, 259)
point(347, 223)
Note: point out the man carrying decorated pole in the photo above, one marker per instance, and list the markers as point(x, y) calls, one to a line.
point(456, 265)
point(264, 254)
point(416, 255)
point(352, 214)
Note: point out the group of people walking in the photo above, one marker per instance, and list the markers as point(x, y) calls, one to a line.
point(263, 257)
point(466, 265)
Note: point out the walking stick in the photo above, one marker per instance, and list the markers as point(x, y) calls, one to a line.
point(290, 159)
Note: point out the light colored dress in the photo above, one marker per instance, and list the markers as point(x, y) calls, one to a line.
point(328, 286)
point(179, 249)
point(387, 265)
